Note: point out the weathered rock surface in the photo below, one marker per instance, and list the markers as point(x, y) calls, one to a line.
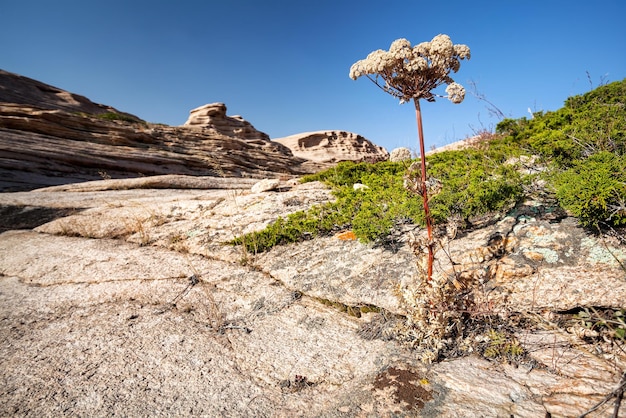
point(27, 92)
point(333, 146)
point(128, 302)
point(166, 181)
point(51, 137)
point(265, 185)
point(212, 118)
point(41, 147)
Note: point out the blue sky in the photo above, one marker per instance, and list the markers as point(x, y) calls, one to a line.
point(283, 65)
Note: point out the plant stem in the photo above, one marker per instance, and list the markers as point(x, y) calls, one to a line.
point(429, 227)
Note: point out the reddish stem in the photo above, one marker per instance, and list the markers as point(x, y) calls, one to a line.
point(429, 228)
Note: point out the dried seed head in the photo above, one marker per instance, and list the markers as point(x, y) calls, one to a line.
point(413, 72)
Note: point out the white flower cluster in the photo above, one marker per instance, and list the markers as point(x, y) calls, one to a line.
point(456, 92)
point(413, 72)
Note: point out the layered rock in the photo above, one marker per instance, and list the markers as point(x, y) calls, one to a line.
point(333, 146)
point(49, 136)
point(24, 91)
point(212, 118)
point(40, 147)
point(52, 137)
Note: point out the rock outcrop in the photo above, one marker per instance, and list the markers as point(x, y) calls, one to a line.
point(27, 92)
point(41, 147)
point(212, 118)
point(51, 137)
point(333, 146)
point(136, 286)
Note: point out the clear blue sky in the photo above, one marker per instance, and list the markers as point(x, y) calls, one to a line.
point(283, 65)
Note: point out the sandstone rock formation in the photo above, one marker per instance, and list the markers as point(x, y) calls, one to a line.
point(212, 118)
point(27, 92)
point(40, 147)
point(333, 146)
point(51, 137)
point(136, 287)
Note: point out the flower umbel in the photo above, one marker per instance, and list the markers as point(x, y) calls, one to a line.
point(456, 92)
point(410, 73)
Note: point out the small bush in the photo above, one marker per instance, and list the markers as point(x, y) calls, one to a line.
point(474, 182)
point(119, 116)
point(583, 145)
point(594, 189)
point(299, 226)
point(589, 123)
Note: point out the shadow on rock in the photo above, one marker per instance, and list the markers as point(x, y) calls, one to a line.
point(29, 217)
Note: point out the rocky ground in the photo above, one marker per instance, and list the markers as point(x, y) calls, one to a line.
point(122, 300)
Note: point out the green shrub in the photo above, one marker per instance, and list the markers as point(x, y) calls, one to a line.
point(589, 123)
point(594, 189)
point(583, 146)
point(119, 116)
point(318, 221)
point(370, 212)
point(474, 182)
point(348, 173)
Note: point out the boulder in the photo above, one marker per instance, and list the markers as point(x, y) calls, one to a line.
point(400, 154)
point(265, 185)
point(333, 146)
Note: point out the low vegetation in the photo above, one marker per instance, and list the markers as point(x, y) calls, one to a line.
point(124, 117)
point(584, 146)
point(577, 154)
point(473, 182)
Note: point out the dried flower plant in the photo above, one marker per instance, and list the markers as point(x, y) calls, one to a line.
point(412, 73)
